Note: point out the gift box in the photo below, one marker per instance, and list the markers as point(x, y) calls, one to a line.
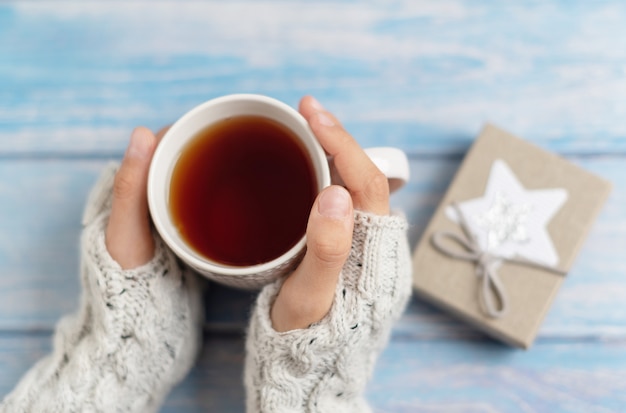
point(505, 235)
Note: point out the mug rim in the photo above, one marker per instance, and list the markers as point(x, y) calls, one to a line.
point(159, 181)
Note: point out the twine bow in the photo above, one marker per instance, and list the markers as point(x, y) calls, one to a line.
point(486, 265)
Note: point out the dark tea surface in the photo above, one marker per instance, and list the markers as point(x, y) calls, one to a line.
point(242, 190)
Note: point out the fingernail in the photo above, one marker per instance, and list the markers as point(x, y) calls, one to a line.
point(334, 203)
point(315, 104)
point(139, 144)
point(324, 119)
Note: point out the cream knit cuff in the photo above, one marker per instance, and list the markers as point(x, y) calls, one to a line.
point(326, 366)
point(135, 335)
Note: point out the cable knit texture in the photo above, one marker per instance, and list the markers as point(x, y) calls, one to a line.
point(325, 367)
point(137, 332)
point(135, 335)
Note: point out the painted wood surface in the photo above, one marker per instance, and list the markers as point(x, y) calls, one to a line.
point(76, 77)
point(456, 376)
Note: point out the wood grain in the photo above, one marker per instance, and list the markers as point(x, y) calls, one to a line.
point(41, 203)
point(77, 77)
point(460, 375)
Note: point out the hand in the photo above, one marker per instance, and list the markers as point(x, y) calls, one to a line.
point(128, 234)
point(308, 293)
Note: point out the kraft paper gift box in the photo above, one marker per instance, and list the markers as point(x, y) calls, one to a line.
point(506, 233)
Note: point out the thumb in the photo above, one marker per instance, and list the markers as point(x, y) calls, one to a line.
point(308, 293)
point(128, 234)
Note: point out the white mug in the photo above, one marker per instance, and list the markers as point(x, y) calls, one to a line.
point(391, 161)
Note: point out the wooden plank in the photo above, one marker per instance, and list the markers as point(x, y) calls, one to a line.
point(477, 376)
point(41, 206)
point(76, 77)
point(464, 375)
point(41, 203)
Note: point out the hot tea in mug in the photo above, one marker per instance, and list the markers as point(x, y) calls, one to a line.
point(241, 191)
point(232, 183)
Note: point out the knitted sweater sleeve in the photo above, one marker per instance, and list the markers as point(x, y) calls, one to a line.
point(134, 336)
point(325, 367)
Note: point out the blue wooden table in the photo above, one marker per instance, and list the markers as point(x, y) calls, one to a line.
point(76, 77)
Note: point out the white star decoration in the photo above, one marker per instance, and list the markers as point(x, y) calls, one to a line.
point(504, 221)
point(511, 221)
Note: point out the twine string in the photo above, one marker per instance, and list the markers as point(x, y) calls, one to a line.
point(492, 294)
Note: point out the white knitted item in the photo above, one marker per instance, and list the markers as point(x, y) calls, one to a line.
point(136, 334)
point(325, 367)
